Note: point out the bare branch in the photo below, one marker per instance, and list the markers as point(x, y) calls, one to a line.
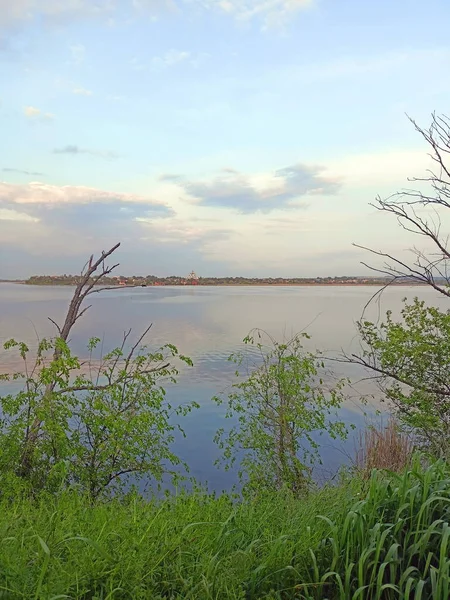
point(356, 359)
point(113, 287)
point(133, 349)
point(430, 268)
point(80, 314)
point(55, 324)
point(107, 386)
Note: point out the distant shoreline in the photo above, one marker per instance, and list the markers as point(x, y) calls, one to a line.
point(174, 285)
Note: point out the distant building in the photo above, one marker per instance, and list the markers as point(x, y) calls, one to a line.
point(191, 279)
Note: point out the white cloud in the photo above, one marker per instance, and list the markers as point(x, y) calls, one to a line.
point(53, 195)
point(136, 64)
point(8, 214)
point(73, 150)
point(184, 231)
point(13, 11)
point(254, 193)
point(316, 240)
point(391, 167)
point(271, 12)
point(78, 53)
point(31, 112)
point(170, 59)
point(81, 92)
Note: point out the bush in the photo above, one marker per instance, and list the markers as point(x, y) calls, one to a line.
point(195, 547)
point(385, 539)
point(383, 447)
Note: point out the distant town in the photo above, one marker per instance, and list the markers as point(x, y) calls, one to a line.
point(193, 279)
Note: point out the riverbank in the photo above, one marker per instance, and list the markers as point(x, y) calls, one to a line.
point(366, 284)
point(356, 539)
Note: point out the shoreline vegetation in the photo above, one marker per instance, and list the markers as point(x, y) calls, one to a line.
point(382, 538)
point(73, 447)
point(153, 281)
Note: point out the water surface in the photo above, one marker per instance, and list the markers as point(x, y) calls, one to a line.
point(207, 324)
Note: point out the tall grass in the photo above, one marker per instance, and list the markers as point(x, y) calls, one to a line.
point(384, 538)
point(190, 546)
point(393, 544)
point(383, 447)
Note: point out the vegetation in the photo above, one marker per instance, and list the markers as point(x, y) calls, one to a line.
point(410, 355)
point(80, 432)
point(100, 422)
point(412, 359)
point(422, 212)
point(383, 448)
point(280, 402)
point(148, 280)
point(388, 539)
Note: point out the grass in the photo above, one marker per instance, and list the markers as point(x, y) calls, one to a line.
point(383, 447)
point(191, 546)
point(381, 539)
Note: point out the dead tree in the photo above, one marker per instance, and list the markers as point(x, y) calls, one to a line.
point(411, 369)
point(92, 274)
point(421, 211)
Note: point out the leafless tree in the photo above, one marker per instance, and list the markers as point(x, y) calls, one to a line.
point(421, 211)
point(410, 359)
point(90, 280)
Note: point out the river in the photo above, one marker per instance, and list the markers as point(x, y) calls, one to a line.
point(207, 324)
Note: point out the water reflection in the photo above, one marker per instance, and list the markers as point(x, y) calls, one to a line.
point(207, 324)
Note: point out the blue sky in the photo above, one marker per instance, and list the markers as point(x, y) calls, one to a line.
point(232, 137)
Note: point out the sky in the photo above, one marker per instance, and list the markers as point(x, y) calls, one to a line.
point(229, 137)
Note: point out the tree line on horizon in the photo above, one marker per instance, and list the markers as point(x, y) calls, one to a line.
point(150, 280)
point(82, 431)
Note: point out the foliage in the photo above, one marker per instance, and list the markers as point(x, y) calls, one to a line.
point(383, 447)
point(393, 544)
point(190, 546)
point(149, 280)
point(99, 422)
point(386, 539)
point(412, 360)
point(422, 211)
point(280, 407)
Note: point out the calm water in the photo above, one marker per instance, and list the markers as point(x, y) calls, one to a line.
point(208, 324)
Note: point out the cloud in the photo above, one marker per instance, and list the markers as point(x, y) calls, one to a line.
point(272, 12)
point(183, 232)
point(16, 11)
point(81, 92)
point(170, 59)
point(30, 111)
point(22, 172)
point(66, 219)
point(9, 214)
point(78, 53)
point(21, 12)
point(171, 178)
point(37, 194)
point(137, 65)
point(36, 114)
point(47, 228)
point(278, 191)
point(72, 149)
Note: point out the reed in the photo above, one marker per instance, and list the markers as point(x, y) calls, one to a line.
point(382, 539)
point(383, 447)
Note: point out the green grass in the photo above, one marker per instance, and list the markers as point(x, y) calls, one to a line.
point(391, 541)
